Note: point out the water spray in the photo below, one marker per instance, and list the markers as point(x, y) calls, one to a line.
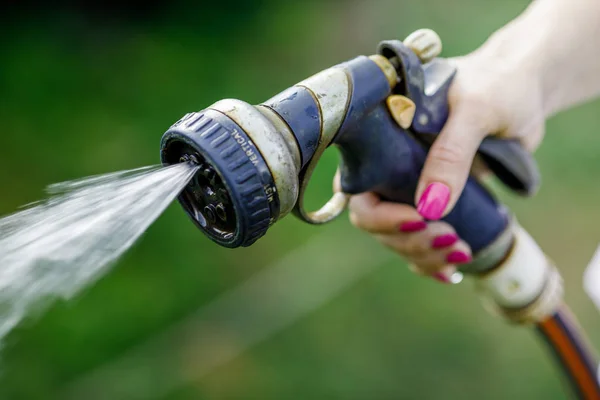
point(57, 247)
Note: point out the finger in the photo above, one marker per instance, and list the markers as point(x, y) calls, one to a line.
point(479, 169)
point(444, 274)
point(448, 163)
point(369, 213)
point(437, 235)
point(437, 265)
point(532, 133)
point(435, 261)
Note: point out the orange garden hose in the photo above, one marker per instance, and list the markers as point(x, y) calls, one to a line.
point(574, 355)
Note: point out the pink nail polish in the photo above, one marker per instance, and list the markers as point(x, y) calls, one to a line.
point(444, 240)
point(438, 276)
point(458, 257)
point(413, 226)
point(434, 200)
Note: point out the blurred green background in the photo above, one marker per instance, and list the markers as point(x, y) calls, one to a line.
point(90, 89)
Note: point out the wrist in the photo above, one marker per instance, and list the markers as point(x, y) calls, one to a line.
point(558, 57)
point(520, 49)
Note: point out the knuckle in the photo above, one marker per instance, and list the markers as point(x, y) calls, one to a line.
point(363, 222)
point(417, 248)
point(394, 243)
point(440, 227)
point(463, 246)
point(449, 153)
point(479, 108)
point(432, 268)
point(477, 98)
point(420, 250)
point(425, 266)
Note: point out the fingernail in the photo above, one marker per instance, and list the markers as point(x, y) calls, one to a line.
point(445, 275)
point(444, 240)
point(413, 226)
point(440, 277)
point(458, 257)
point(434, 200)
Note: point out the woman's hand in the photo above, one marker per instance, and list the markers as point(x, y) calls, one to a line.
point(537, 65)
point(431, 248)
point(488, 95)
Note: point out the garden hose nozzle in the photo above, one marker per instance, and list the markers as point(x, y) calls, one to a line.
point(382, 112)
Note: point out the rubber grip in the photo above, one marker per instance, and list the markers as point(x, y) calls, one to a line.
point(379, 156)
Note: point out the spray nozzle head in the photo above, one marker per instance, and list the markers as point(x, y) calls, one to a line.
point(206, 198)
point(227, 197)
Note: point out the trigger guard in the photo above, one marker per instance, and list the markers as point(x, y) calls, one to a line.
point(334, 207)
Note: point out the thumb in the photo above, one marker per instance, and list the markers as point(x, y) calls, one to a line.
point(448, 164)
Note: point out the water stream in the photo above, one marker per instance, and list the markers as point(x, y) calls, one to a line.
point(56, 247)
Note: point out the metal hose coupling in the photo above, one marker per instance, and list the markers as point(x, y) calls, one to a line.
point(524, 286)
